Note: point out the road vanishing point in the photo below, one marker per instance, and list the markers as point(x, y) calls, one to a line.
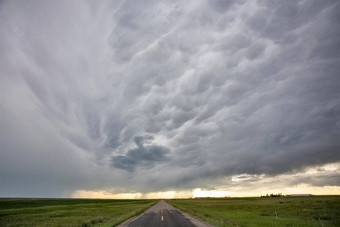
point(163, 214)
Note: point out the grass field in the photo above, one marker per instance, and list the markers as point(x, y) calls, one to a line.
point(69, 212)
point(291, 211)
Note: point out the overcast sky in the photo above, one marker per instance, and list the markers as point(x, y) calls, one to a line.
point(154, 96)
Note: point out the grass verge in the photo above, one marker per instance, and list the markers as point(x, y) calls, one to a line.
point(284, 211)
point(69, 212)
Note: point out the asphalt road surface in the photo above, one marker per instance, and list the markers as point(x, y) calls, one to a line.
point(163, 214)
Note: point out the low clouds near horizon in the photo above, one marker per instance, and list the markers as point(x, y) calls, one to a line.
point(148, 96)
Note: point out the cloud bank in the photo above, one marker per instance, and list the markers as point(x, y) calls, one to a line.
point(147, 96)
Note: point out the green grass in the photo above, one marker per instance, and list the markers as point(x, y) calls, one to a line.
point(69, 212)
point(291, 211)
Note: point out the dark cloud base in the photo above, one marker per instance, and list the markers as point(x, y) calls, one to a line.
point(142, 156)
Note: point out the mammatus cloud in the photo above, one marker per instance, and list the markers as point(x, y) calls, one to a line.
point(142, 156)
point(131, 96)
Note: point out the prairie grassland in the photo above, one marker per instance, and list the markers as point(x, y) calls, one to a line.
point(69, 212)
point(283, 211)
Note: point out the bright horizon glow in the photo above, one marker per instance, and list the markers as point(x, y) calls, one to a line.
point(201, 193)
point(137, 195)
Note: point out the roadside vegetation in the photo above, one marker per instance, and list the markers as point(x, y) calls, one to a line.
point(275, 211)
point(69, 212)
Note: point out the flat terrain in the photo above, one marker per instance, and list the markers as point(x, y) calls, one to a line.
point(284, 211)
point(293, 211)
point(165, 215)
point(69, 212)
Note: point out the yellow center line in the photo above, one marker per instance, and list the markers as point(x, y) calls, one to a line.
point(162, 217)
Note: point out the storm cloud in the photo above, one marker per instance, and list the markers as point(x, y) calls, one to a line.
point(155, 95)
point(143, 156)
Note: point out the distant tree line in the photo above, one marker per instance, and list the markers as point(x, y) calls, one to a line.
point(272, 195)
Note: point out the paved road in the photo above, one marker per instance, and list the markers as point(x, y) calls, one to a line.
point(165, 215)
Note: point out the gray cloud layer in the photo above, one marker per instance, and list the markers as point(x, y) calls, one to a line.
point(204, 89)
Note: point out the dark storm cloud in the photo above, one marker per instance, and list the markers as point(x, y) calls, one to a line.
point(222, 88)
point(145, 156)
